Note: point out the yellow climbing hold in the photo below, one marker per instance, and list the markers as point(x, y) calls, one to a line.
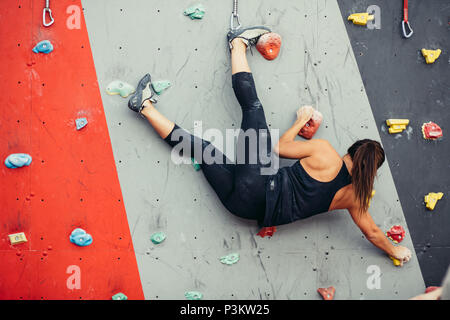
point(431, 55)
point(395, 261)
point(371, 196)
point(432, 198)
point(397, 125)
point(360, 18)
point(17, 238)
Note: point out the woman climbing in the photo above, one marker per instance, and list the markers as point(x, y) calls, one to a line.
point(319, 182)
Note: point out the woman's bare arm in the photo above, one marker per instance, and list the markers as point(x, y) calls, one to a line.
point(371, 231)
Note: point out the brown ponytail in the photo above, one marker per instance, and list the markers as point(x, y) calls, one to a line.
point(367, 156)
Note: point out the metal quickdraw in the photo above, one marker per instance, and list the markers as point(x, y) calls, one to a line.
point(235, 16)
point(405, 22)
point(48, 12)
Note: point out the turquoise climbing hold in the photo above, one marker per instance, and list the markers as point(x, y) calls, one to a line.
point(80, 237)
point(158, 237)
point(193, 295)
point(43, 47)
point(120, 87)
point(195, 12)
point(160, 85)
point(195, 164)
point(119, 296)
point(81, 123)
point(17, 160)
point(230, 259)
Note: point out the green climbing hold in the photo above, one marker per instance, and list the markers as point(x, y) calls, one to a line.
point(119, 296)
point(193, 295)
point(160, 86)
point(120, 87)
point(195, 164)
point(195, 12)
point(158, 237)
point(230, 259)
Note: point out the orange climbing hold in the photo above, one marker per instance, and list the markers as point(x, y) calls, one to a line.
point(431, 131)
point(430, 289)
point(311, 127)
point(396, 233)
point(327, 293)
point(267, 231)
point(269, 45)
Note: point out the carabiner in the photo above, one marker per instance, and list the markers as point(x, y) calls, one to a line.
point(407, 35)
point(44, 15)
point(232, 21)
point(406, 21)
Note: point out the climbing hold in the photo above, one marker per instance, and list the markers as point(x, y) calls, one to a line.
point(81, 123)
point(119, 296)
point(269, 45)
point(17, 160)
point(432, 198)
point(311, 127)
point(17, 238)
point(195, 164)
point(396, 233)
point(158, 237)
point(80, 237)
point(431, 131)
point(371, 196)
point(120, 87)
point(195, 12)
point(327, 293)
point(431, 55)
point(396, 261)
point(43, 47)
point(193, 295)
point(230, 259)
point(430, 289)
point(160, 85)
point(360, 18)
point(397, 125)
point(267, 231)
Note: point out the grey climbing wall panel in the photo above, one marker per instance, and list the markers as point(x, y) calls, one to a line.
point(316, 66)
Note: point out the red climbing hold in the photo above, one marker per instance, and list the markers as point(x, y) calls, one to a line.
point(396, 233)
point(327, 293)
point(430, 289)
point(311, 127)
point(431, 130)
point(269, 45)
point(267, 231)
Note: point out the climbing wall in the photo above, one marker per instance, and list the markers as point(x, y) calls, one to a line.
point(72, 181)
point(316, 66)
point(418, 91)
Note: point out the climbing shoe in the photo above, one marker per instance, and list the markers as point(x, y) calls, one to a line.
point(249, 35)
point(143, 93)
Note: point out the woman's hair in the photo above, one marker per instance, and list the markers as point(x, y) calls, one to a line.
point(367, 156)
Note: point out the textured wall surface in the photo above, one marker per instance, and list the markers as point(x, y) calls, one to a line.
point(412, 89)
point(316, 66)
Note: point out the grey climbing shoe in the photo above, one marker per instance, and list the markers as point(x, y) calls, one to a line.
point(143, 93)
point(249, 35)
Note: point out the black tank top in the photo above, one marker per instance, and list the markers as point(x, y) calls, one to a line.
point(292, 194)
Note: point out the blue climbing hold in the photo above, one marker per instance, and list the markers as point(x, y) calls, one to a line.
point(17, 160)
point(43, 47)
point(81, 123)
point(80, 237)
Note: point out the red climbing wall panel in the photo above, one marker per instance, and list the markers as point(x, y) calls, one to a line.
point(72, 181)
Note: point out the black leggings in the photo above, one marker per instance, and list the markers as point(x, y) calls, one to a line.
point(239, 185)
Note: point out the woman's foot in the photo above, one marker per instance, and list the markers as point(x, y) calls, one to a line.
point(248, 35)
point(143, 93)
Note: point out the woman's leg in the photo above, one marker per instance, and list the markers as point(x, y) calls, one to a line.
point(220, 175)
point(252, 155)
